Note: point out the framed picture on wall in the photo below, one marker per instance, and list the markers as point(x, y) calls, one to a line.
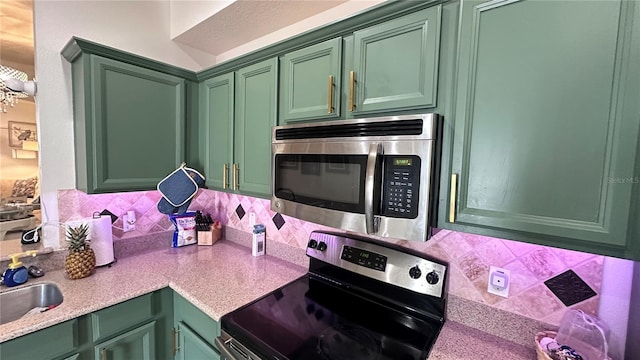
point(21, 131)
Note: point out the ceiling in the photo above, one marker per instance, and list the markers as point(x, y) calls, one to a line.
point(246, 20)
point(234, 25)
point(16, 35)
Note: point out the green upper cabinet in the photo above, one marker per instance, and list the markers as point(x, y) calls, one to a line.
point(237, 111)
point(395, 64)
point(129, 120)
point(255, 114)
point(310, 82)
point(217, 116)
point(546, 123)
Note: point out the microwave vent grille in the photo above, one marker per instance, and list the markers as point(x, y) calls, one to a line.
point(363, 129)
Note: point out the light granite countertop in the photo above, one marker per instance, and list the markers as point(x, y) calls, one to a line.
point(217, 280)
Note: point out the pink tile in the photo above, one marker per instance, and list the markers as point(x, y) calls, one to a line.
point(521, 277)
point(456, 278)
point(514, 304)
point(481, 284)
point(475, 240)
point(572, 258)
point(454, 244)
point(472, 266)
point(144, 205)
point(542, 263)
point(437, 252)
point(520, 248)
point(469, 292)
point(540, 301)
point(591, 272)
point(494, 252)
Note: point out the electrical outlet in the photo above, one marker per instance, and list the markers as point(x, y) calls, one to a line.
point(252, 218)
point(129, 221)
point(499, 281)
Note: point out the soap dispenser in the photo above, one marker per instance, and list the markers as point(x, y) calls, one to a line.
point(16, 274)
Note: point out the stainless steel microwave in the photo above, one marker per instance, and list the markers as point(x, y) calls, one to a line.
point(374, 176)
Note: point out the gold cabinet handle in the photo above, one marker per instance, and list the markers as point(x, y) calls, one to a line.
point(352, 90)
point(175, 341)
point(225, 168)
point(103, 354)
point(236, 168)
point(452, 199)
point(330, 97)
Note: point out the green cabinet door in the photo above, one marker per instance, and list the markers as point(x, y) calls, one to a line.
point(546, 122)
point(192, 346)
point(396, 64)
point(310, 82)
point(138, 343)
point(129, 125)
point(217, 116)
point(255, 114)
point(55, 342)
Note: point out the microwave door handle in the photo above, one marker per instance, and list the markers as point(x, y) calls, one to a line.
point(369, 187)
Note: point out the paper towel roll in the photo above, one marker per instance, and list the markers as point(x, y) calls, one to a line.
point(102, 240)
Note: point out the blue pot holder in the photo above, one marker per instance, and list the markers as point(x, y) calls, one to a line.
point(178, 189)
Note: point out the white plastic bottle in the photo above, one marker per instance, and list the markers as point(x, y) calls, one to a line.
point(258, 242)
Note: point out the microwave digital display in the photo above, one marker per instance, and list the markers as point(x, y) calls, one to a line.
point(402, 162)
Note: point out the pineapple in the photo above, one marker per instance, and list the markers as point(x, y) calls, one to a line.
point(81, 260)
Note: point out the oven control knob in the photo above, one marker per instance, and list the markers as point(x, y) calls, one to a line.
point(312, 244)
point(322, 246)
point(415, 272)
point(432, 278)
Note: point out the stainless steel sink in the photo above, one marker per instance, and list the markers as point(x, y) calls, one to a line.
point(16, 303)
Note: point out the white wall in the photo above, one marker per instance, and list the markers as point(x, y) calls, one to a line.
point(140, 27)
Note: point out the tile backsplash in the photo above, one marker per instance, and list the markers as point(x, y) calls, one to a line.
point(469, 256)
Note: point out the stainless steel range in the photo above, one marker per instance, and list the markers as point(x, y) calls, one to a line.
point(360, 299)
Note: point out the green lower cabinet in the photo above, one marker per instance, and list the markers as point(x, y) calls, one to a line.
point(138, 343)
point(546, 123)
point(191, 346)
point(195, 331)
point(53, 343)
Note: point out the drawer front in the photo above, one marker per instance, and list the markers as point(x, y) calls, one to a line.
point(117, 318)
point(49, 343)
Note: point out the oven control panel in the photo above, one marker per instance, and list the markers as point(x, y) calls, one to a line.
point(380, 261)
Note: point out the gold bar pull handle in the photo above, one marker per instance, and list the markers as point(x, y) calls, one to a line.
point(330, 95)
point(452, 199)
point(225, 169)
point(352, 90)
point(103, 354)
point(175, 341)
point(235, 170)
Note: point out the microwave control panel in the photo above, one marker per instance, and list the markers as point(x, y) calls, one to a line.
point(401, 186)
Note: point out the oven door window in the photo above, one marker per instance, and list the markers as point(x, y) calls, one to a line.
point(328, 181)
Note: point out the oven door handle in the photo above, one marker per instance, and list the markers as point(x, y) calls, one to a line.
point(226, 354)
point(375, 150)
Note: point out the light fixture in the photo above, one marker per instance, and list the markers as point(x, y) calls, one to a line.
point(14, 84)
